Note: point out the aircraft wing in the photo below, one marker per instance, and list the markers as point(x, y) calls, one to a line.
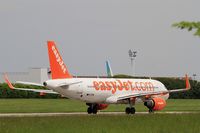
point(187, 86)
point(114, 99)
point(26, 89)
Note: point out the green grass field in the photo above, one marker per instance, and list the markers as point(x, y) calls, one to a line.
point(65, 105)
point(153, 123)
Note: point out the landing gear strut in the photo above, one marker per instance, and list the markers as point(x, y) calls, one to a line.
point(149, 104)
point(151, 111)
point(92, 109)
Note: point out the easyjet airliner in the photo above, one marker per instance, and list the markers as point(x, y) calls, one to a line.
point(98, 93)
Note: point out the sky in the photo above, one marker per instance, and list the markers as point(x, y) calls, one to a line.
point(89, 32)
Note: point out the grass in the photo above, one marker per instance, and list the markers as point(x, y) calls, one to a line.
point(65, 105)
point(154, 123)
point(151, 123)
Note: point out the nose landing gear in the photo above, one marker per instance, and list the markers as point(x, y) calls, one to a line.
point(151, 111)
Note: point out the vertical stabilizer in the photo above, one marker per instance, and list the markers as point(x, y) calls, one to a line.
point(57, 65)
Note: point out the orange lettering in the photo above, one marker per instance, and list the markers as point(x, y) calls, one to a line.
point(130, 83)
point(114, 87)
point(151, 86)
point(96, 85)
point(143, 86)
point(126, 86)
point(108, 85)
point(137, 87)
point(102, 85)
point(120, 86)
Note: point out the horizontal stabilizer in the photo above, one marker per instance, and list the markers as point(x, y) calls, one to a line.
point(29, 83)
point(28, 89)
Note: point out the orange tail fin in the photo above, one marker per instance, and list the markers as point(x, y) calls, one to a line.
point(187, 82)
point(8, 82)
point(57, 65)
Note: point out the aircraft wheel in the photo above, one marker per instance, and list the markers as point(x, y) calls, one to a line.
point(128, 110)
point(132, 110)
point(94, 111)
point(89, 110)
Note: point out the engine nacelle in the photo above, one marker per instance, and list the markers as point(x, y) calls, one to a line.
point(155, 103)
point(102, 106)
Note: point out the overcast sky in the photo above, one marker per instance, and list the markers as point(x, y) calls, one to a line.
point(88, 32)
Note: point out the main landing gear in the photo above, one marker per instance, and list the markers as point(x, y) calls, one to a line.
point(130, 109)
point(92, 109)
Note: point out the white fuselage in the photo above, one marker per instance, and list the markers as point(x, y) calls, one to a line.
point(97, 90)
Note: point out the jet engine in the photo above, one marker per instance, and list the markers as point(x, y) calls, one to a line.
point(155, 103)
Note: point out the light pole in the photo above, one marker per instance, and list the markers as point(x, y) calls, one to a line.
point(194, 75)
point(194, 79)
point(132, 55)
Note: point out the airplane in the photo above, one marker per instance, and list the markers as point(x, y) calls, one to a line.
point(98, 93)
point(108, 69)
